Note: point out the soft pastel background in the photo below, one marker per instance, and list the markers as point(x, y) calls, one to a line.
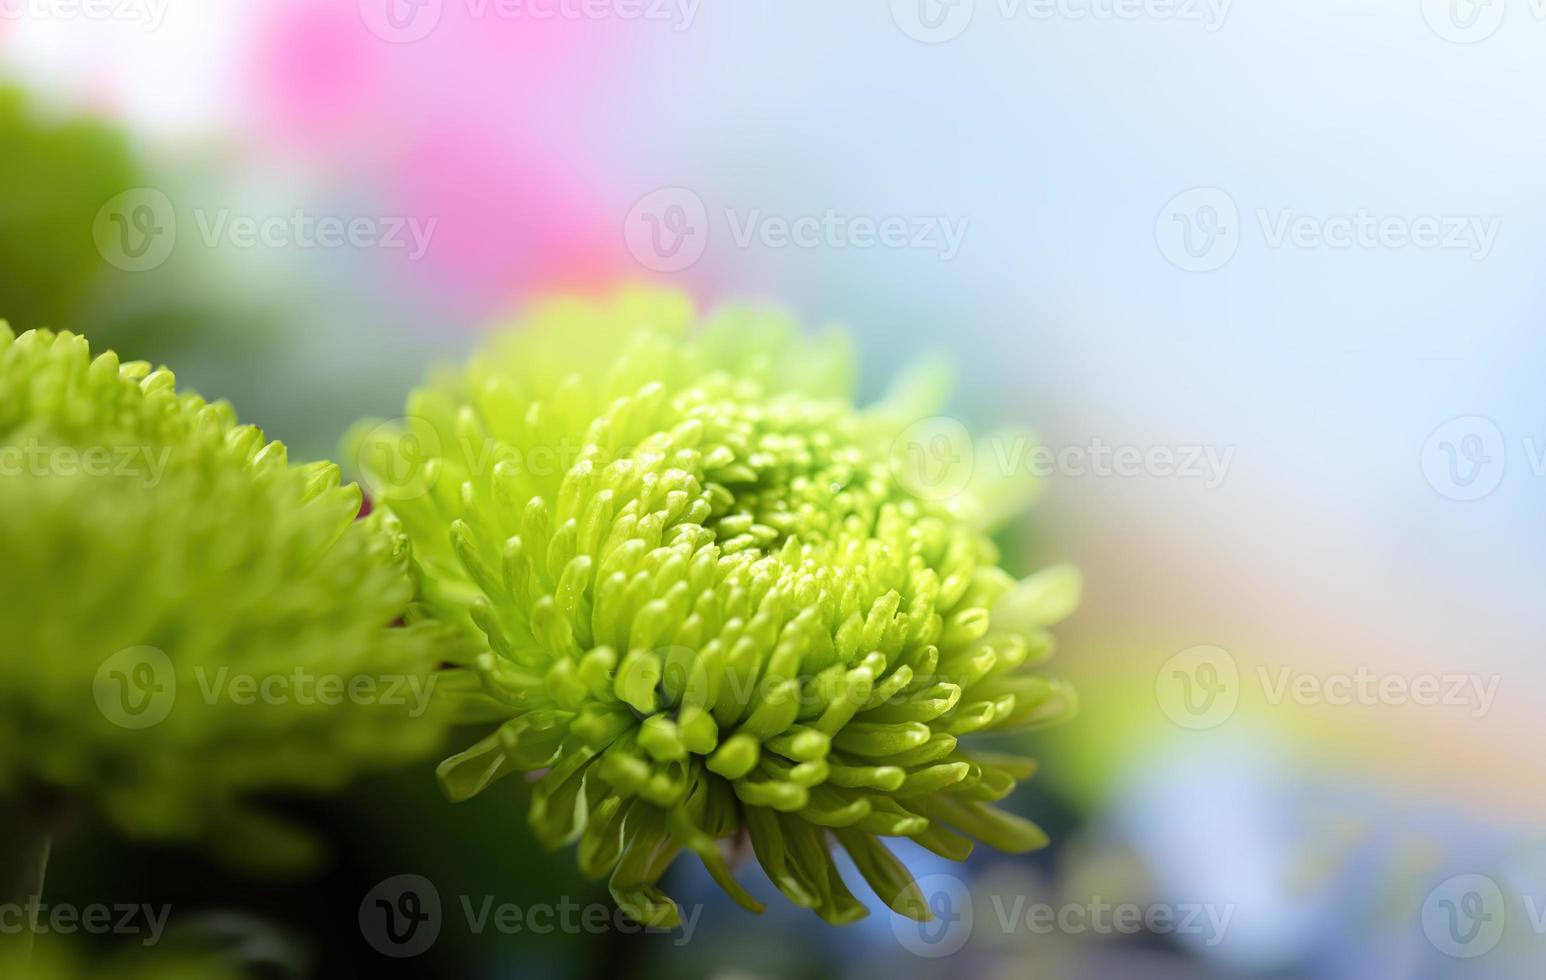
point(589, 149)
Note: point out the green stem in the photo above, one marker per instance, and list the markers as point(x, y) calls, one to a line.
point(25, 838)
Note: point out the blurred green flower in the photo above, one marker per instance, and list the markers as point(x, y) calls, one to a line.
point(711, 606)
point(57, 175)
point(188, 619)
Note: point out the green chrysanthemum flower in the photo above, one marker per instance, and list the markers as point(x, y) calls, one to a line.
point(186, 619)
point(709, 605)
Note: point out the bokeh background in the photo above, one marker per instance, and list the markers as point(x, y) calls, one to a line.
point(1265, 278)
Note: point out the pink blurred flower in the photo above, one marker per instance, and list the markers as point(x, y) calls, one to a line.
point(494, 128)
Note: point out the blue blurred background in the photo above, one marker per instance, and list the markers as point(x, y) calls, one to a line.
point(1264, 279)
